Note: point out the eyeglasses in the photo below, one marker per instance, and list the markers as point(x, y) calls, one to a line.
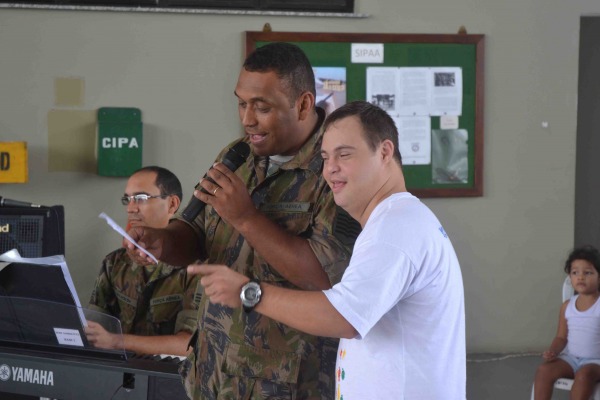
point(140, 198)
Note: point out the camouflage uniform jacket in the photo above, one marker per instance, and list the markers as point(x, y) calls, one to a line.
point(148, 300)
point(233, 343)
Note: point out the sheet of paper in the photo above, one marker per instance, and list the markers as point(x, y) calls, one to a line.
point(414, 91)
point(122, 232)
point(446, 94)
point(414, 139)
point(382, 88)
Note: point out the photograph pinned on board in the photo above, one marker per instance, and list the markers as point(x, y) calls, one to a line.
point(330, 83)
point(449, 156)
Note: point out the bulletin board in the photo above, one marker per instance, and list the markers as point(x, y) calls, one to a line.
point(462, 52)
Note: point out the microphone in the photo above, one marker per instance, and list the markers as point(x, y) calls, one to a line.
point(4, 202)
point(233, 159)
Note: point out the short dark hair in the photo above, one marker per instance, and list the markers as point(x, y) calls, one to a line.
point(377, 124)
point(588, 253)
point(166, 181)
point(290, 64)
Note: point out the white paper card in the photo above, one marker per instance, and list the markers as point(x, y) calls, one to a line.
point(449, 122)
point(69, 337)
point(122, 232)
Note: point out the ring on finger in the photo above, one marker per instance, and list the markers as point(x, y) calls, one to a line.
point(215, 191)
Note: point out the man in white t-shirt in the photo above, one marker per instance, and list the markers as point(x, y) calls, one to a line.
point(399, 308)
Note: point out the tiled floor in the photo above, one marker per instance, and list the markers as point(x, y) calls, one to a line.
point(503, 377)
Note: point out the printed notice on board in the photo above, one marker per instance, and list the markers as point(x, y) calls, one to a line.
point(382, 88)
point(416, 91)
point(414, 139)
point(446, 92)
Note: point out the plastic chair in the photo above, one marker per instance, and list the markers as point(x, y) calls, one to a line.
point(566, 383)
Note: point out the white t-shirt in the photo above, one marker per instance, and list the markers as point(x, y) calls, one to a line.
point(404, 295)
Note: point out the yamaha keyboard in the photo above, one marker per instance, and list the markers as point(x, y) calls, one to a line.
point(53, 375)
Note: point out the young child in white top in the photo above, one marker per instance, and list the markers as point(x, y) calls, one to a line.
point(575, 351)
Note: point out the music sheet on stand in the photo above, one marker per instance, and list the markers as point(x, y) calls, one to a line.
point(13, 256)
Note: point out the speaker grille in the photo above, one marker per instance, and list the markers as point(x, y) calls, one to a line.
point(23, 233)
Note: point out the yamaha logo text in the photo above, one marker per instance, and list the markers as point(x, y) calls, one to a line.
point(26, 375)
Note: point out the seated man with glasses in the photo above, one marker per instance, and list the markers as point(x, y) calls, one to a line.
point(155, 303)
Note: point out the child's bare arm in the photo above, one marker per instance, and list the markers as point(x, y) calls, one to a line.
point(560, 341)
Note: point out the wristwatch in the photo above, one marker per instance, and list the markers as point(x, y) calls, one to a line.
point(250, 295)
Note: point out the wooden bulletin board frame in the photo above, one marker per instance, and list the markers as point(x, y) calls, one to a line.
point(407, 50)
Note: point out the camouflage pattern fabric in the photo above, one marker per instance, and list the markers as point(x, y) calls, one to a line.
point(148, 300)
point(240, 355)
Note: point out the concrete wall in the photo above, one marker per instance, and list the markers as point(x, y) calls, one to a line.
point(180, 70)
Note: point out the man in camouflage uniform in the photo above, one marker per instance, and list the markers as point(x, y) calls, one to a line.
point(277, 224)
point(155, 303)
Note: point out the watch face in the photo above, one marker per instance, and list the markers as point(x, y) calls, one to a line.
point(250, 294)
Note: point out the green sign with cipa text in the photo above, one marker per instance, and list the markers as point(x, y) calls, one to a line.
point(119, 141)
